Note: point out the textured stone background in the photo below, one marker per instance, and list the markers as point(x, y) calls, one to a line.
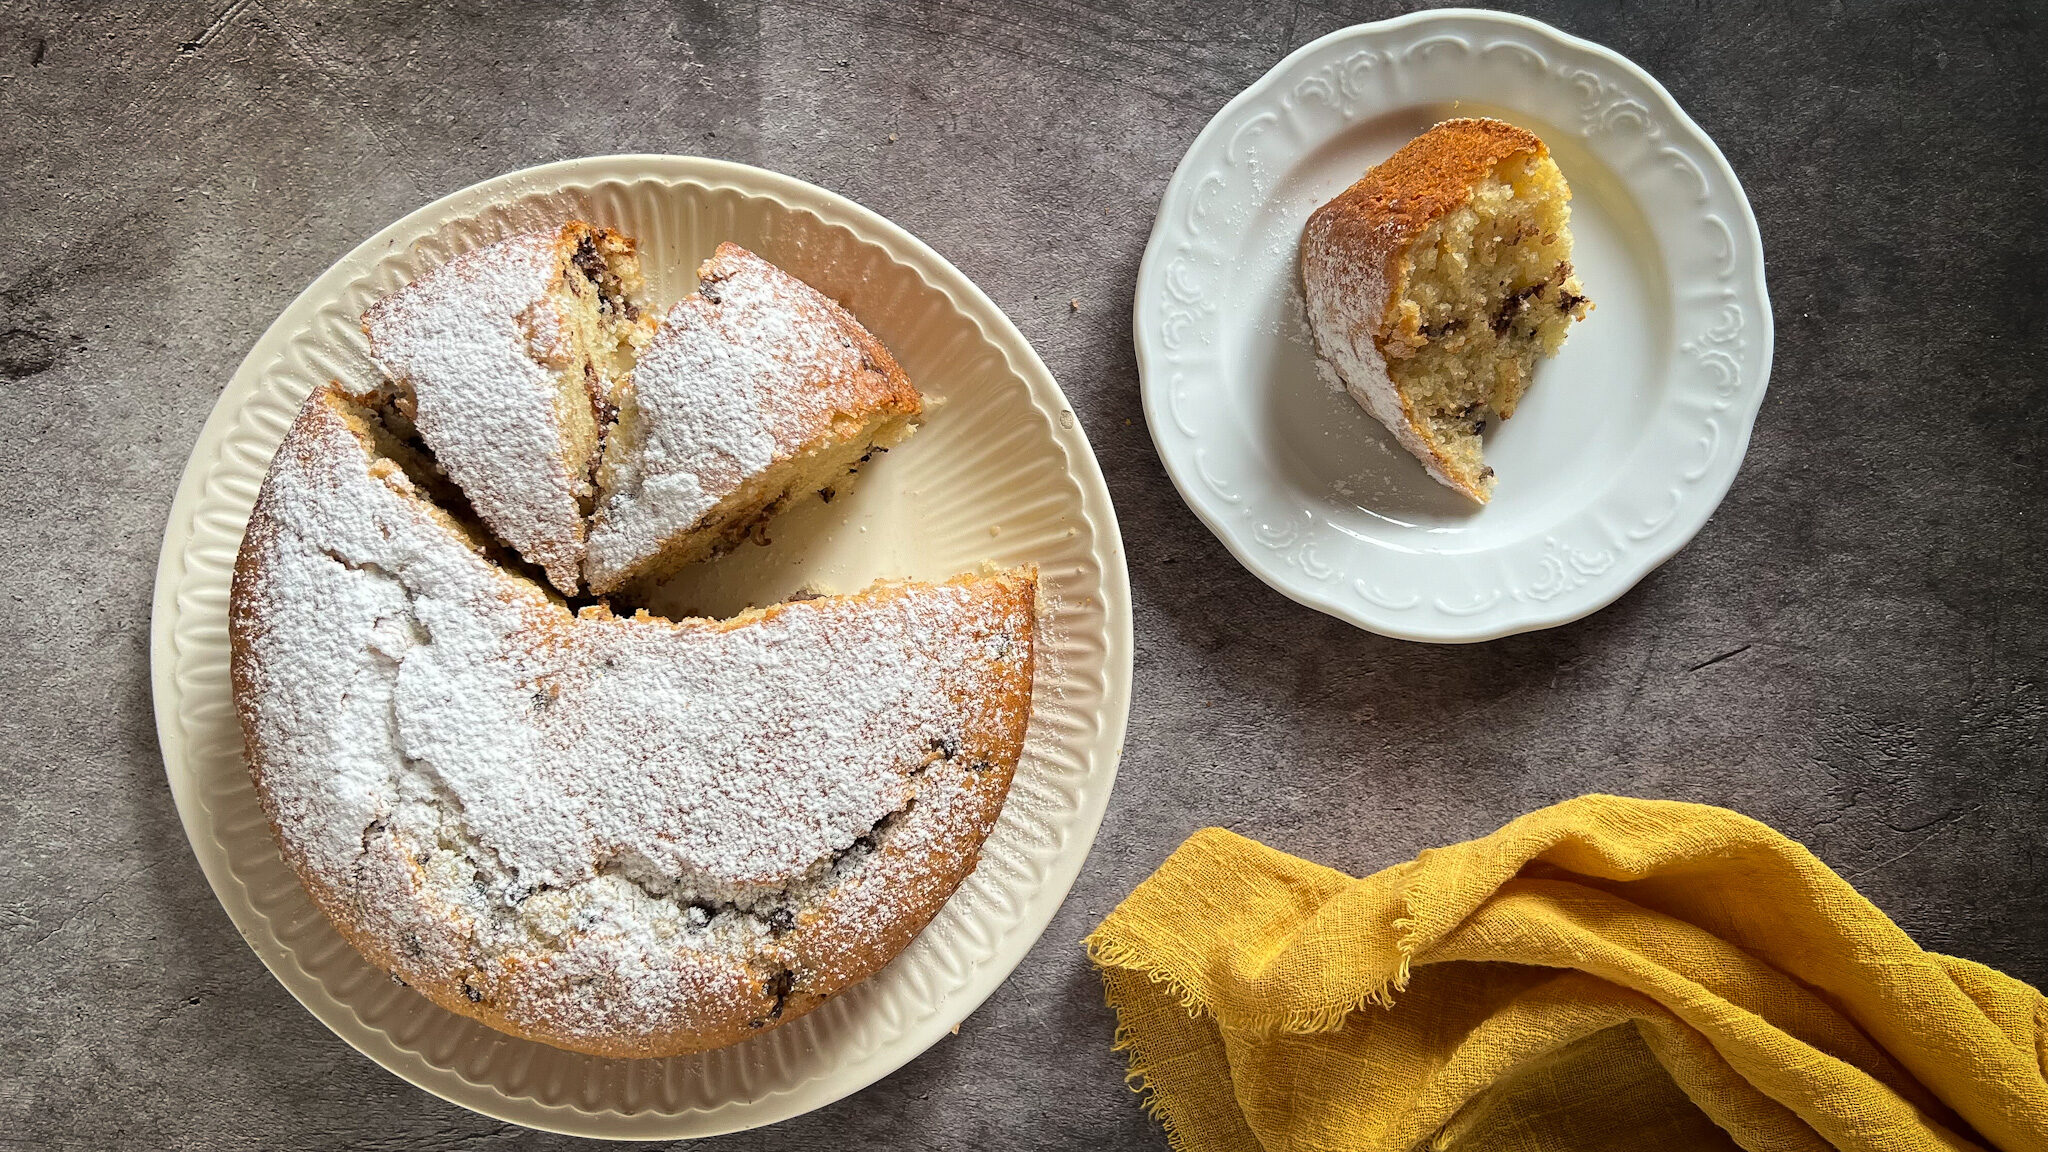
point(1853, 650)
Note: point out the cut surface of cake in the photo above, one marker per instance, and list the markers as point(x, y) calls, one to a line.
point(505, 360)
point(755, 389)
point(626, 836)
point(1435, 283)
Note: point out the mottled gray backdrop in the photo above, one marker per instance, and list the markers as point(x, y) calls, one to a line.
point(1853, 650)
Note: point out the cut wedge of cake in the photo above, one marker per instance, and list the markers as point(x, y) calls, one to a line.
point(1436, 282)
point(755, 389)
point(505, 360)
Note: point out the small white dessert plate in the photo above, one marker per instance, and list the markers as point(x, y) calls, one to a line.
point(1626, 441)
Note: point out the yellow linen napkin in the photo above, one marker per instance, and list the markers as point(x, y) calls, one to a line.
point(1603, 974)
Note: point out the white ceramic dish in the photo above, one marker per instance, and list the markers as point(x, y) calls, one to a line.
point(1000, 473)
point(1624, 444)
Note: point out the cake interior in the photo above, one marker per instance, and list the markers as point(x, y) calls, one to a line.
point(1489, 289)
point(597, 290)
point(590, 336)
point(828, 469)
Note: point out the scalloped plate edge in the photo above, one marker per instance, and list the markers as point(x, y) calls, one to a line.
point(1362, 610)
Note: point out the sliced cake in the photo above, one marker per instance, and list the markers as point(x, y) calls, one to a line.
point(619, 835)
point(755, 389)
point(1436, 282)
point(505, 360)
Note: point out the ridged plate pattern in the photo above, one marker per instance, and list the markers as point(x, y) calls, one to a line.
point(1001, 473)
point(1625, 443)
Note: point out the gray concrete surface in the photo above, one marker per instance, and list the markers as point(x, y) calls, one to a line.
point(1853, 650)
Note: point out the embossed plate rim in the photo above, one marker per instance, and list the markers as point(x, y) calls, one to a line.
point(1571, 582)
point(1095, 752)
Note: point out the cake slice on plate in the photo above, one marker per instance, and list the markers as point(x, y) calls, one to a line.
point(505, 360)
point(1436, 282)
point(755, 389)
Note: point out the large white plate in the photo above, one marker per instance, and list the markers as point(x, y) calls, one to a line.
point(1625, 442)
point(1000, 473)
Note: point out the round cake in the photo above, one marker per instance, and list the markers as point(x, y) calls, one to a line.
point(616, 834)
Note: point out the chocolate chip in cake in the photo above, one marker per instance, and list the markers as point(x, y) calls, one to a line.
point(781, 920)
point(1511, 306)
point(588, 260)
point(780, 986)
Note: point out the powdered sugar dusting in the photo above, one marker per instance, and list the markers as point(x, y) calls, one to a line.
point(1345, 275)
point(481, 345)
point(786, 740)
point(746, 372)
point(600, 826)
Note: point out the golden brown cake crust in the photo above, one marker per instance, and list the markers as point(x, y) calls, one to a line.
point(1373, 221)
point(349, 582)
